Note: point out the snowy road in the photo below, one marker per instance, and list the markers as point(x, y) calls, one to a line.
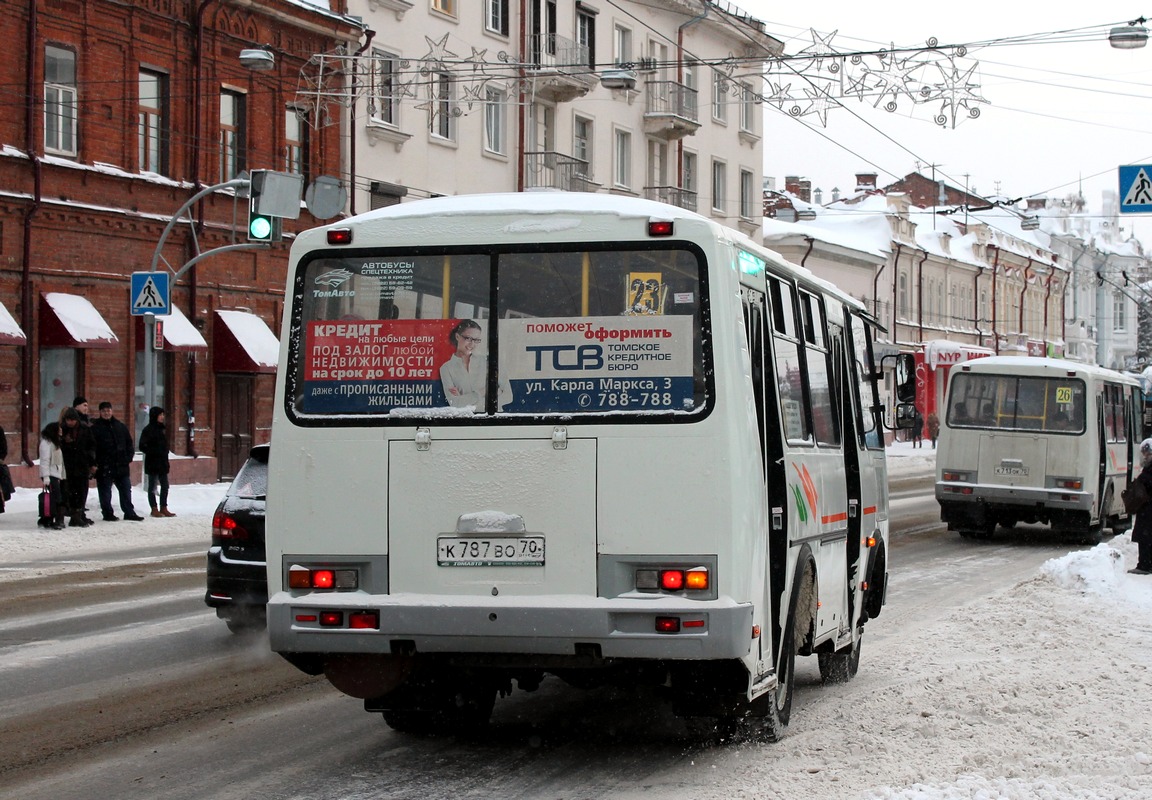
point(153, 697)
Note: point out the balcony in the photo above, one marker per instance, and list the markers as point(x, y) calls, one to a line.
point(548, 169)
point(559, 68)
point(672, 195)
point(670, 112)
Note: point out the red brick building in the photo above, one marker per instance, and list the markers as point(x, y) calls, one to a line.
point(117, 114)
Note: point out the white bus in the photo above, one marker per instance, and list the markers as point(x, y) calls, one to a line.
point(1037, 440)
point(599, 438)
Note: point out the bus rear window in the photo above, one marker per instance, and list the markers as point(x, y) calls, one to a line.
point(491, 333)
point(1053, 405)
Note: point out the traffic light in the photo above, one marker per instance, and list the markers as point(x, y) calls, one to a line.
point(262, 227)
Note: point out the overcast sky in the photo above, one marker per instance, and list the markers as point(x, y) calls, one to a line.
point(1060, 114)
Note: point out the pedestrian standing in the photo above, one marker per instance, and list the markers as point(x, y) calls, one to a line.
point(80, 403)
point(1142, 527)
point(114, 454)
point(917, 428)
point(79, 450)
point(52, 472)
point(154, 446)
point(933, 428)
point(6, 487)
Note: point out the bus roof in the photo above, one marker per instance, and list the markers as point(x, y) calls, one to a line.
point(1033, 365)
point(554, 203)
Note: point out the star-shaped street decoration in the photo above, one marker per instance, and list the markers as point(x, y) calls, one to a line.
point(957, 93)
point(438, 53)
point(820, 100)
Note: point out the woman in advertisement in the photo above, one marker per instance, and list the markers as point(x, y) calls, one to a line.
point(465, 374)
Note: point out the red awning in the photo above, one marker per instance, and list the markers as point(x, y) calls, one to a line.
point(242, 342)
point(10, 331)
point(179, 333)
point(69, 320)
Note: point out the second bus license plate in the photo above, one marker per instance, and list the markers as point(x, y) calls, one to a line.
point(490, 551)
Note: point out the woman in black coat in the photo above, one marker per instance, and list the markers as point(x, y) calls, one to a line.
point(154, 446)
point(1142, 527)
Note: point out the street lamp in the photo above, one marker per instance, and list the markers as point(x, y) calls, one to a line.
point(1129, 37)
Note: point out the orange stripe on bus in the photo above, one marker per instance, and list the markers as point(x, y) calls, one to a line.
point(870, 509)
point(843, 515)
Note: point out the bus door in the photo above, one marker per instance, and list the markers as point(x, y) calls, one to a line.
point(758, 329)
point(854, 453)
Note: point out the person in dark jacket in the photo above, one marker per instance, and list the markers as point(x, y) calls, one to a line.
point(154, 446)
point(1142, 528)
point(79, 450)
point(114, 454)
point(80, 403)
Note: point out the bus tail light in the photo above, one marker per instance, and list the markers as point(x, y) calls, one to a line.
point(660, 227)
point(673, 580)
point(331, 619)
point(322, 578)
point(339, 236)
point(677, 624)
point(955, 475)
point(1070, 483)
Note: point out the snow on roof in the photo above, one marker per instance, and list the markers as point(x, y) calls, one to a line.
point(180, 332)
point(83, 322)
point(9, 328)
point(862, 227)
point(254, 336)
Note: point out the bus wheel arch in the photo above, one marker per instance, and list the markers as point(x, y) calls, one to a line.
point(877, 582)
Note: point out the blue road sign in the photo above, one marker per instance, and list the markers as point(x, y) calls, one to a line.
point(150, 294)
point(1136, 189)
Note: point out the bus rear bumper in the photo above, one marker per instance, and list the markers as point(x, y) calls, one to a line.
point(538, 625)
point(967, 505)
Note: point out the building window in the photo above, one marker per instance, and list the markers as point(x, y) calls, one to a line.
point(586, 33)
point(384, 102)
point(747, 194)
point(494, 120)
point(496, 16)
point(720, 97)
point(622, 173)
point(688, 163)
point(1119, 312)
point(622, 45)
point(689, 73)
point(59, 101)
point(582, 142)
point(444, 6)
point(232, 142)
point(442, 119)
point(719, 186)
point(152, 122)
point(382, 194)
point(747, 108)
point(296, 141)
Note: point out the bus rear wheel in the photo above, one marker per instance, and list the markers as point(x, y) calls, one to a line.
point(841, 666)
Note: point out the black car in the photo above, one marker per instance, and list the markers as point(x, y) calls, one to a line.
point(237, 581)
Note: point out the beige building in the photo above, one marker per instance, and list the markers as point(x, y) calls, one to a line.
point(656, 100)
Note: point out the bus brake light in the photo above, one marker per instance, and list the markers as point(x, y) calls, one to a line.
point(667, 624)
point(339, 236)
point(660, 227)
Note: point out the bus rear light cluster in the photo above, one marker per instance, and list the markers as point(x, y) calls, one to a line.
point(1070, 483)
point(673, 580)
point(356, 620)
point(953, 475)
point(322, 578)
point(676, 624)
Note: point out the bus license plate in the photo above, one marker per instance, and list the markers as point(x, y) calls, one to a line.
point(490, 551)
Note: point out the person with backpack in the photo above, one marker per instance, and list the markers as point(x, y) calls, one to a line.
point(154, 446)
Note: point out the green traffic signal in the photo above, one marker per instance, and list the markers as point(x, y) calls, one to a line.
point(259, 228)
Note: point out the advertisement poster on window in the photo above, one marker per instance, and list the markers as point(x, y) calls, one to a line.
point(377, 366)
point(596, 364)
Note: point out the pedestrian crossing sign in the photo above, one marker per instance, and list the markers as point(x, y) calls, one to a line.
point(150, 294)
point(1136, 189)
